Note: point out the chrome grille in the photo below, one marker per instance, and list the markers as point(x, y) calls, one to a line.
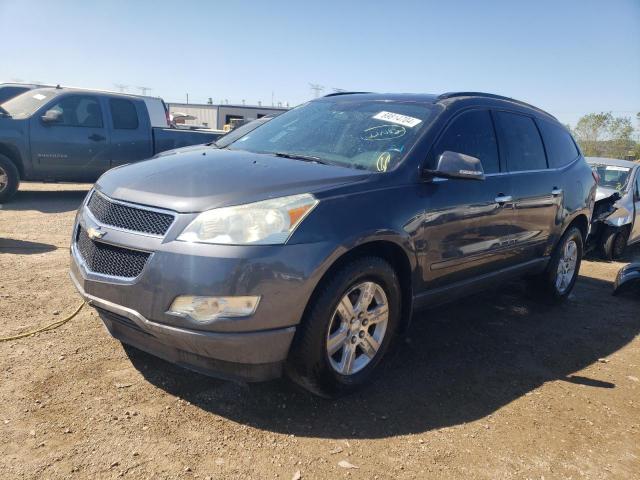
point(108, 259)
point(127, 217)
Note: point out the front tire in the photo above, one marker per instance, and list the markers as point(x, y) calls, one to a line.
point(347, 328)
point(614, 243)
point(560, 276)
point(9, 179)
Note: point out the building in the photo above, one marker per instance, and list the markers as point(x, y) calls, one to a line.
point(217, 116)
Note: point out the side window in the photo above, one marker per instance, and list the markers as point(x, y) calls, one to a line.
point(79, 111)
point(561, 149)
point(520, 142)
point(638, 183)
point(123, 113)
point(472, 133)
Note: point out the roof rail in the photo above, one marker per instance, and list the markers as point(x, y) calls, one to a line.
point(447, 95)
point(335, 94)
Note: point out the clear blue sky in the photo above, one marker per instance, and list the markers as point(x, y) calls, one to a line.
point(569, 57)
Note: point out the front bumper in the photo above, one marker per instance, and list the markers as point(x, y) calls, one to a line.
point(248, 356)
point(251, 348)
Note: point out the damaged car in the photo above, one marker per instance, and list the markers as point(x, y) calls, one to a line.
point(615, 224)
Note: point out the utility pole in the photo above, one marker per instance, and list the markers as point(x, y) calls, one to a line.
point(144, 90)
point(121, 87)
point(187, 97)
point(316, 89)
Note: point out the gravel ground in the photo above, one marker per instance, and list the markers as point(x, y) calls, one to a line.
point(495, 386)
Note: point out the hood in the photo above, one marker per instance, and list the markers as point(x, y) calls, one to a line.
point(604, 192)
point(197, 179)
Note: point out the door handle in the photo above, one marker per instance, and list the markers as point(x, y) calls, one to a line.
point(556, 191)
point(96, 138)
point(502, 199)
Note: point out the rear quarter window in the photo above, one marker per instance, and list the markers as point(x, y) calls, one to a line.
point(561, 149)
point(520, 142)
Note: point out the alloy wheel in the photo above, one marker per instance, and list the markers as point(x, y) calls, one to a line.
point(4, 179)
point(567, 266)
point(357, 328)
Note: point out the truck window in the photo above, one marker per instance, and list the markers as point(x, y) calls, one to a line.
point(123, 114)
point(79, 111)
point(561, 149)
point(472, 133)
point(520, 142)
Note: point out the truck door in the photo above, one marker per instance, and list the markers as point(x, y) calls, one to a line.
point(537, 193)
point(130, 131)
point(71, 143)
point(468, 226)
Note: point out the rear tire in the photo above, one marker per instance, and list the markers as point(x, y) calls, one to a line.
point(559, 278)
point(614, 243)
point(9, 179)
point(355, 315)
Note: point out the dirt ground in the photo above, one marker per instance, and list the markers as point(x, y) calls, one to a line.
point(496, 386)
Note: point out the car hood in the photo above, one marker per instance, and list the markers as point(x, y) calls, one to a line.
point(197, 179)
point(605, 192)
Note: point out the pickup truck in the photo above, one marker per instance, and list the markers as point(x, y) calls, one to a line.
point(74, 135)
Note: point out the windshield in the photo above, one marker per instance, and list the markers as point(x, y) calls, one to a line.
point(364, 134)
point(24, 105)
point(236, 133)
point(612, 176)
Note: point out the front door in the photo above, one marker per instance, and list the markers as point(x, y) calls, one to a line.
point(75, 147)
point(468, 225)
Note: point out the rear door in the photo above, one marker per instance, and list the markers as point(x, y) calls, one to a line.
point(76, 147)
point(468, 225)
point(130, 131)
point(537, 194)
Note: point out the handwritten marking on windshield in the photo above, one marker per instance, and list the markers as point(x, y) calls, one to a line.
point(384, 132)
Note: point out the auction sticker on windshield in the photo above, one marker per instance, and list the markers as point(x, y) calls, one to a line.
point(403, 120)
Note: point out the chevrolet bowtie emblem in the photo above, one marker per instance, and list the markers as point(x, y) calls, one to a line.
point(94, 233)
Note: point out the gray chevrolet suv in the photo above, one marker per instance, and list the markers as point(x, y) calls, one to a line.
point(305, 245)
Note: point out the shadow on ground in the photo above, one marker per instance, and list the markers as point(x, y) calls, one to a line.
point(457, 364)
point(58, 201)
point(24, 247)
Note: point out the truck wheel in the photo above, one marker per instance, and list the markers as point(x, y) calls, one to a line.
point(559, 278)
point(9, 179)
point(614, 243)
point(347, 328)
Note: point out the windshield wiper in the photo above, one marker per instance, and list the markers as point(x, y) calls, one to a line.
point(303, 157)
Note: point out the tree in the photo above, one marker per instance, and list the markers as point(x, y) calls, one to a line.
point(603, 135)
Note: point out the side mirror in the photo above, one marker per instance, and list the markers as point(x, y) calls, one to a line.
point(456, 165)
point(51, 116)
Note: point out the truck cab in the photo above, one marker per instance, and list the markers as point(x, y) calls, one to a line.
point(73, 135)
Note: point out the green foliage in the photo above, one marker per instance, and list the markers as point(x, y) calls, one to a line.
point(603, 135)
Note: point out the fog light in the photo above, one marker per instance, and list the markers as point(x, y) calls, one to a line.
point(206, 309)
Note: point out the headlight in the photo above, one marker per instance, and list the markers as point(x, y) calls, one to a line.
point(269, 222)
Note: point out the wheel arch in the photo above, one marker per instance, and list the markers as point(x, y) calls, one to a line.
point(389, 251)
point(12, 154)
point(582, 223)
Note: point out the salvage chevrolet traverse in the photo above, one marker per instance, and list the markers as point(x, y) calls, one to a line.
point(304, 246)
